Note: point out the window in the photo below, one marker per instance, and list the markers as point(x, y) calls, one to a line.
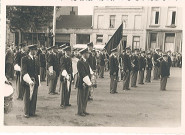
point(137, 22)
point(169, 42)
point(155, 16)
point(109, 37)
point(153, 40)
point(125, 21)
point(99, 38)
point(136, 42)
point(100, 21)
point(82, 38)
point(171, 16)
point(112, 21)
point(169, 37)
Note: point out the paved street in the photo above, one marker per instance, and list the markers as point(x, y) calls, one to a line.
point(145, 106)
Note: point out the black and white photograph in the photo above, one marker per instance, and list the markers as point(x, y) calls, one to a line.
point(94, 66)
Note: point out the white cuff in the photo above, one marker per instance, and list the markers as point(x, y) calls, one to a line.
point(86, 79)
point(27, 78)
point(51, 69)
point(91, 72)
point(39, 78)
point(65, 74)
point(17, 67)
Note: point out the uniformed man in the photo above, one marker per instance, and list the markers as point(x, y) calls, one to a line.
point(9, 60)
point(31, 81)
point(169, 60)
point(19, 55)
point(60, 55)
point(53, 70)
point(66, 77)
point(149, 66)
point(156, 64)
point(92, 63)
point(114, 68)
point(42, 61)
point(84, 82)
point(164, 66)
point(142, 65)
point(102, 58)
point(134, 67)
point(126, 68)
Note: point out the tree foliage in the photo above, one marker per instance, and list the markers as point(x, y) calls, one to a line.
point(29, 18)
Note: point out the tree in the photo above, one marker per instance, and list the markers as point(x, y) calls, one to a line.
point(29, 18)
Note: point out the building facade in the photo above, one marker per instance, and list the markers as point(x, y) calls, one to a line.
point(107, 19)
point(164, 28)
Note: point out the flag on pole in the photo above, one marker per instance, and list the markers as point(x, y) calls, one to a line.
point(54, 24)
point(115, 39)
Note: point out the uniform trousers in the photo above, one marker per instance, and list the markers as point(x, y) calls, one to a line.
point(163, 83)
point(82, 98)
point(113, 83)
point(55, 82)
point(51, 79)
point(156, 73)
point(102, 68)
point(42, 73)
point(126, 80)
point(133, 78)
point(9, 70)
point(65, 93)
point(141, 77)
point(30, 105)
point(148, 75)
point(19, 88)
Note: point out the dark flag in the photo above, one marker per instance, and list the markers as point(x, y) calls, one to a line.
point(115, 39)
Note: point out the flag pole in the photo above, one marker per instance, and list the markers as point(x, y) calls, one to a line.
point(54, 24)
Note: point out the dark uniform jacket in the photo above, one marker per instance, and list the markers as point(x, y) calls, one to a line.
point(9, 57)
point(66, 64)
point(83, 70)
point(169, 61)
point(102, 59)
point(126, 62)
point(156, 62)
point(114, 65)
point(53, 61)
point(18, 58)
point(164, 68)
point(31, 67)
point(142, 63)
point(42, 60)
point(92, 61)
point(149, 64)
point(135, 63)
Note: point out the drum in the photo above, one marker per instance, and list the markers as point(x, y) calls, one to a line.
point(8, 97)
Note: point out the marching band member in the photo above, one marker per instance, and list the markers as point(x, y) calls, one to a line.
point(31, 81)
point(66, 78)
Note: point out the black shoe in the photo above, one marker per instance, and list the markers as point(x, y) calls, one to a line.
point(127, 88)
point(56, 93)
point(62, 106)
point(115, 92)
point(26, 116)
point(86, 113)
point(82, 114)
point(68, 105)
point(33, 115)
